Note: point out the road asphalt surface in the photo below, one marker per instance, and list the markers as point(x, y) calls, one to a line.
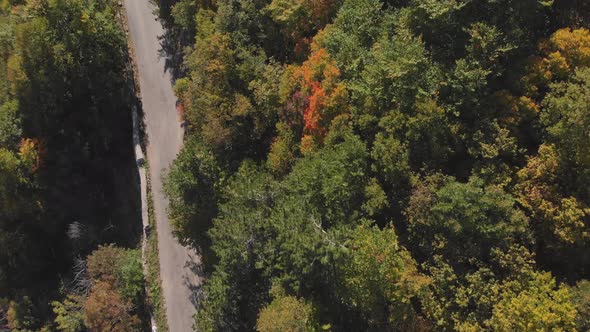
point(178, 265)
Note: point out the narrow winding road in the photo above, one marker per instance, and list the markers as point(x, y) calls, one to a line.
point(178, 264)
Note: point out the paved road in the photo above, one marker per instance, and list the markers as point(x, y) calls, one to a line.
point(177, 263)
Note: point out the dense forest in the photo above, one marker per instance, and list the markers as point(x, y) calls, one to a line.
point(67, 171)
point(393, 165)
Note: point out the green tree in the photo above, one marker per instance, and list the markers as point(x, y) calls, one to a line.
point(492, 297)
point(565, 115)
point(537, 304)
point(287, 231)
point(130, 275)
point(283, 151)
point(240, 231)
point(119, 267)
point(464, 220)
point(287, 313)
point(10, 127)
point(548, 192)
point(69, 314)
point(349, 38)
point(191, 186)
point(581, 299)
point(332, 180)
point(380, 278)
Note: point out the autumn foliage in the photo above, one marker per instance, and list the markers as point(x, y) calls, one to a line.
point(318, 80)
point(561, 54)
point(106, 311)
point(389, 165)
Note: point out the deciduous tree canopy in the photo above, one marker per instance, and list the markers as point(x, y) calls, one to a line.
point(67, 181)
point(387, 165)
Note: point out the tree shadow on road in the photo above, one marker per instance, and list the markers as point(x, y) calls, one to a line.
point(195, 285)
point(172, 46)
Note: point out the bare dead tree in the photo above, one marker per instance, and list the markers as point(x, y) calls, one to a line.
point(80, 283)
